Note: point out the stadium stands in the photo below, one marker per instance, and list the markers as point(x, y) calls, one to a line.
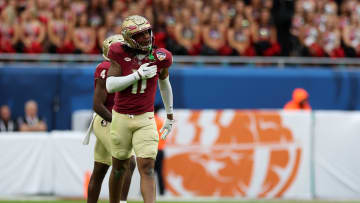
point(192, 27)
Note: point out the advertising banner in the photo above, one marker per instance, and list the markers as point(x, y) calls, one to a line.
point(210, 153)
point(337, 164)
point(254, 154)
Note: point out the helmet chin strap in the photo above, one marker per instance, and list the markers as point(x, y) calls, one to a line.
point(151, 56)
point(145, 48)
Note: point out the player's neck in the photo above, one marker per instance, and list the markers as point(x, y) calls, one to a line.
point(136, 51)
point(140, 56)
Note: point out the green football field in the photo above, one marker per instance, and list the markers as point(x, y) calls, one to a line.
point(188, 201)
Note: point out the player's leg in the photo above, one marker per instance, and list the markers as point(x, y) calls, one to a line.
point(147, 179)
point(96, 180)
point(117, 177)
point(102, 157)
point(127, 179)
point(159, 171)
point(121, 147)
point(145, 143)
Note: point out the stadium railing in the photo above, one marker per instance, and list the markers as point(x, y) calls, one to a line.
point(223, 60)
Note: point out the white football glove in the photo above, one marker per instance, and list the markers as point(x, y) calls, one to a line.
point(166, 128)
point(146, 71)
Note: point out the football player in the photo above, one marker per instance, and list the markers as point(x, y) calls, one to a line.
point(102, 104)
point(136, 68)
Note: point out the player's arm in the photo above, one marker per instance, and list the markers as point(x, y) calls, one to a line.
point(166, 92)
point(100, 96)
point(167, 97)
point(115, 82)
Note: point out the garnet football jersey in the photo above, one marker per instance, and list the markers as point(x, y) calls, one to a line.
point(139, 97)
point(101, 73)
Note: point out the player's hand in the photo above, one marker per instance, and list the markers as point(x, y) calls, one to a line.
point(166, 128)
point(147, 71)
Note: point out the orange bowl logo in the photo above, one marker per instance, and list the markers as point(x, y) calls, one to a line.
point(231, 153)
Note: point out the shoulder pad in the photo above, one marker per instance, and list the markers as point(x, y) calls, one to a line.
point(163, 57)
point(115, 51)
point(101, 70)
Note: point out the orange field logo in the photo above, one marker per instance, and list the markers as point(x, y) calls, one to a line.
point(231, 153)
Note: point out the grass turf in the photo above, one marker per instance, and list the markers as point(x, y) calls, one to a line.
point(189, 201)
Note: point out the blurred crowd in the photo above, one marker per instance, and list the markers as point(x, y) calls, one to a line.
point(186, 27)
point(325, 28)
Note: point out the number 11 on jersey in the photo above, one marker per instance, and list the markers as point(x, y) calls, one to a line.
point(135, 86)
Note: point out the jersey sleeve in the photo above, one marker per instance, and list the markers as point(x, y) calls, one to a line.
point(100, 72)
point(115, 52)
point(163, 57)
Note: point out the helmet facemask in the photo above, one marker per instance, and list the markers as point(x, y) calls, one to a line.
point(138, 45)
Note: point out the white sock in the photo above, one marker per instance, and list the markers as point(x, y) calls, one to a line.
point(122, 201)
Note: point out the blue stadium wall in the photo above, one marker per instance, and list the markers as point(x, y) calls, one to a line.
point(60, 90)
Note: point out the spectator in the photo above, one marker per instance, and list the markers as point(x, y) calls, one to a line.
point(78, 7)
point(191, 5)
point(32, 33)
point(119, 7)
point(108, 29)
point(351, 36)
point(309, 37)
point(308, 5)
point(133, 9)
point(226, 14)
point(54, 3)
point(204, 15)
point(265, 36)
point(43, 11)
point(59, 32)
point(297, 20)
point(268, 4)
point(166, 7)
point(239, 37)
point(253, 11)
point(296, 25)
point(84, 36)
point(9, 31)
point(300, 100)
point(104, 6)
point(240, 7)
point(6, 123)
point(3, 5)
point(160, 33)
point(197, 10)
point(69, 15)
point(214, 37)
point(95, 13)
point(215, 4)
point(188, 34)
point(148, 14)
point(309, 23)
point(31, 121)
point(327, 7)
point(170, 40)
point(331, 38)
